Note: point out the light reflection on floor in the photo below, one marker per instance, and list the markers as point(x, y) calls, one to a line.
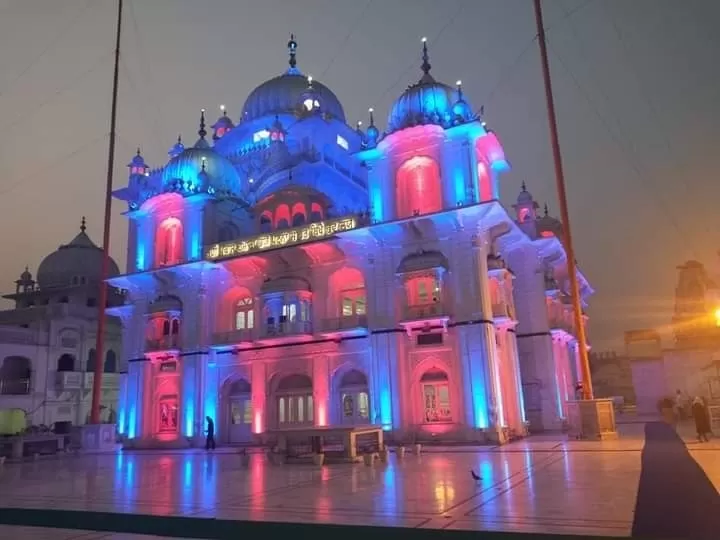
point(543, 486)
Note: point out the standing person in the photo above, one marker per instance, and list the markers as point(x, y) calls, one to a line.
point(210, 431)
point(678, 406)
point(700, 415)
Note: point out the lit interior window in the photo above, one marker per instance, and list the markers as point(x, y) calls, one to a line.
point(342, 142)
point(311, 104)
point(260, 135)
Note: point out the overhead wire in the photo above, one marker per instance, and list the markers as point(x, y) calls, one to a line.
point(59, 161)
point(58, 93)
point(50, 46)
point(650, 103)
point(345, 41)
point(622, 148)
point(460, 8)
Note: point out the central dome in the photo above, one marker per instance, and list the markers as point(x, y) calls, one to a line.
point(284, 95)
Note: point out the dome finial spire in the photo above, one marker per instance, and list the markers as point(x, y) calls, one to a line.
point(82, 225)
point(546, 210)
point(202, 131)
point(426, 58)
point(523, 187)
point(372, 118)
point(292, 51)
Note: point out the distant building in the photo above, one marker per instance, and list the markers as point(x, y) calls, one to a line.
point(290, 270)
point(612, 376)
point(47, 354)
point(692, 365)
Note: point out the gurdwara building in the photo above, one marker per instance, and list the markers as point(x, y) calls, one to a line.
point(291, 270)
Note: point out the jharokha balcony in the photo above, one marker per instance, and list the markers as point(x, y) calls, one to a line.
point(242, 336)
point(164, 343)
point(416, 316)
point(272, 330)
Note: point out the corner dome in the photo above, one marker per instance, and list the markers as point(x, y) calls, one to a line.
point(72, 262)
point(203, 168)
point(284, 95)
point(428, 102)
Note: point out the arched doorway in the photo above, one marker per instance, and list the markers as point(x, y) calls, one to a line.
point(66, 363)
point(15, 375)
point(354, 398)
point(239, 402)
point(294, 401)
point(435, 388)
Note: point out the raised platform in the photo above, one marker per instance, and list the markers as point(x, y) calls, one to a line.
point(592, 419)
point(94, 438)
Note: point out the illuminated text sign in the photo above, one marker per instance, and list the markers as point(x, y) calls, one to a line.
point(278, 239)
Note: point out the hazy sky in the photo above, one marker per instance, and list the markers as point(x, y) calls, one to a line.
point(636, 85)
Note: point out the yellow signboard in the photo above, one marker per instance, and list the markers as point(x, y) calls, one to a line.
point(278, 239)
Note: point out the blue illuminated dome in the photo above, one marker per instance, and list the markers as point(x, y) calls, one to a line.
point(285, 94)
point(428, 102)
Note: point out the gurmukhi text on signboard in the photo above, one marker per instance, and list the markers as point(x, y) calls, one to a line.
point(278, 239)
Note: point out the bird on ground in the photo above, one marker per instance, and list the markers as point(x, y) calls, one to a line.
point(474, 475)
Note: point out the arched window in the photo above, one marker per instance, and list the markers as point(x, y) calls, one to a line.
point(417, 186)
point(90, 366)
point(348, 286)
point(175, 327)
point(423, 290)
point(294, 400)
point(169, 242)
point(354, 398)
point(166, 327)
point(15, 376)
point(244, 314)
point(266, 222)
point(316, 213)
point(110, 365)
point(298, 214)
point(282, 216)
point(435, 396)
point(66, 363)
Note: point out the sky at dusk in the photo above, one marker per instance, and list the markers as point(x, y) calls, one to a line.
point(636, 86)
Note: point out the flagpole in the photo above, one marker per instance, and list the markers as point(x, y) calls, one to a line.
point(103, 292)
point(564, 213)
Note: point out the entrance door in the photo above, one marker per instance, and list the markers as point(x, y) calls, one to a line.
point(240, 419)
point(355, 407)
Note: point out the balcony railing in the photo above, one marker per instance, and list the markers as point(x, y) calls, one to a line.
point(233, 337)
point(69, 380)
point(165, 343)
point(424, 311)
point(14, 387)
point(287, 328)
point(345, 323)
point(503, 310)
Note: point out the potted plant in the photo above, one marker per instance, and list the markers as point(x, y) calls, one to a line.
point(318, 459)
point(417, 448)
point(400, 452)
point(384, 454)
point(369, 458)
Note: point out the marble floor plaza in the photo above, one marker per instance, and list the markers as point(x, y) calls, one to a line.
point(542, 484)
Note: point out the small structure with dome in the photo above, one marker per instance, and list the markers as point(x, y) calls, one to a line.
point(47, 340)
point(291, 270)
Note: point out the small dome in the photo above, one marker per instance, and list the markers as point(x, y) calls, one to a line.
point(26, 275)
point(525, 199)
point(285, 94)
point(422, 260)
point(548, 226)
point(187, 167)
point(79, 259)
point(222, 126)
point(427, 102)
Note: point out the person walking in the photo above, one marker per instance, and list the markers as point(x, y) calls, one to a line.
point(210, 434)
point(700, 415)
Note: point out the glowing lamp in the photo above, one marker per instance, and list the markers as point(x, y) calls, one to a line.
point(717, 317)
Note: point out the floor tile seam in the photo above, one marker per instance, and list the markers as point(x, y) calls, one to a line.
point(339, 511)
point(422, 523)
point(529, 472)
point(521, 472)
point(540, 519)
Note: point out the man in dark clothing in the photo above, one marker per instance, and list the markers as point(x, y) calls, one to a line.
point(210, 431)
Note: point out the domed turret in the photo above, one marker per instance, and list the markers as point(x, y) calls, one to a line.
point(222, 125)
point(548, 226)
point(426, 102)
point(525, 207)
point(286, 94)
point(183, 172)
point(78, 262)
point(177, 148)
point(372, 134)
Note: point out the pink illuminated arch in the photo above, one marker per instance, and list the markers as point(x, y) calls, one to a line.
point(299, 214)
point(236, 310)
point(417, 187)
point(282, 216)
point(347, 293)
point(435, 396)
point(169, 242)
point(316, 213)
point(484, 182)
